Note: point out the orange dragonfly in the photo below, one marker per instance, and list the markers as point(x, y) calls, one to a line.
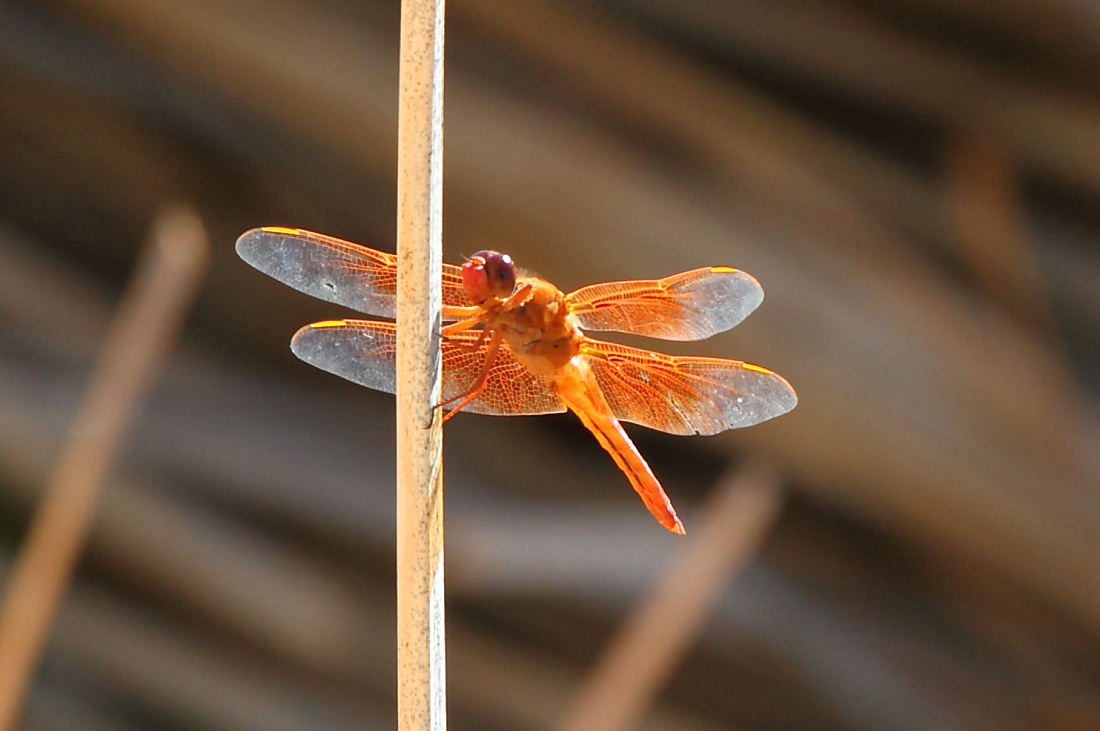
point(516, 345)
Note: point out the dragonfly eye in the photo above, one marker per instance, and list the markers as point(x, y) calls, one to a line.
point(488, 274)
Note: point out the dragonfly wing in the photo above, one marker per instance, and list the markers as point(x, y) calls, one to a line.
point(687, 306)
point(335, 270)
point(364, 352)
point(681, 395)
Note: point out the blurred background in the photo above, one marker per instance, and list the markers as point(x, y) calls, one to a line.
point(915, 185)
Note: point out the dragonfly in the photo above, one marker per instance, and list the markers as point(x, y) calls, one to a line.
point(514, 345)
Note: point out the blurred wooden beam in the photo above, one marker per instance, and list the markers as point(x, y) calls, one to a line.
point(1062, 32)
point(187, 681)
point(847, 49)
point(52, 708)
point(730, 128)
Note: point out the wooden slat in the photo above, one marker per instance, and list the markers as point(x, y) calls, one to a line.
point(847, 50)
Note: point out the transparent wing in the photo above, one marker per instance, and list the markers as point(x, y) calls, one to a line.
point(685, 395)
point(338, 271)
point(363, 352)
point(688, 306)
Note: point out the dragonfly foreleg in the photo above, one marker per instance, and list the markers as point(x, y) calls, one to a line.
point(478, 385)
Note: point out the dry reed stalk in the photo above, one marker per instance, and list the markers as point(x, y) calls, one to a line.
point(655, 638)
point(137, 344)
point(421, 644)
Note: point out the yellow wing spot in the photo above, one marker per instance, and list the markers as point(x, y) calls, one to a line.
point(758, 369)
point(281, 230)
point(328, 323)
point(722, 270)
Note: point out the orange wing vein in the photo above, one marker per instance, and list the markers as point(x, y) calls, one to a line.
point(680, 395)
point(338, 271)
point(364, 352)
point(688, 306)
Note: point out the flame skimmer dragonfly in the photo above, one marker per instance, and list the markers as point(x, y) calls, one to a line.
point(516, 346)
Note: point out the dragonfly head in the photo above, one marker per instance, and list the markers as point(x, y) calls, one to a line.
point(489, 274)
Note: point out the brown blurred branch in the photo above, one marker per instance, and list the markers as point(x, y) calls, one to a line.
point(143, 328)
point(659, 632)
point(984, 197)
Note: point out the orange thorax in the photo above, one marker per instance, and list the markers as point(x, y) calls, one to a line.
point(539, 331)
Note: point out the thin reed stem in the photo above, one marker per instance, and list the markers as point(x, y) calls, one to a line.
point(660, 631)
point(143, 328)
point(421, 644)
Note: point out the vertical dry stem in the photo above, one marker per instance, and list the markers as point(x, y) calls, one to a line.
point(421, 651)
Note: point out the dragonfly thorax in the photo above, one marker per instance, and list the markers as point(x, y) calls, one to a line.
point(539, 331)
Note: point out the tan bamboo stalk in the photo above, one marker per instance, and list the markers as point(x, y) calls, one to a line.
point(421, 644)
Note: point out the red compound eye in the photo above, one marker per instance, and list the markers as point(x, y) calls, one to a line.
point(488, 274)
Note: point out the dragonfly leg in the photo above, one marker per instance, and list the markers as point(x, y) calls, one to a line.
point(516, 298)
point(462, 325)
point(451, 312)
point(478, 385)
point(476, 345)
point(480, 315)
